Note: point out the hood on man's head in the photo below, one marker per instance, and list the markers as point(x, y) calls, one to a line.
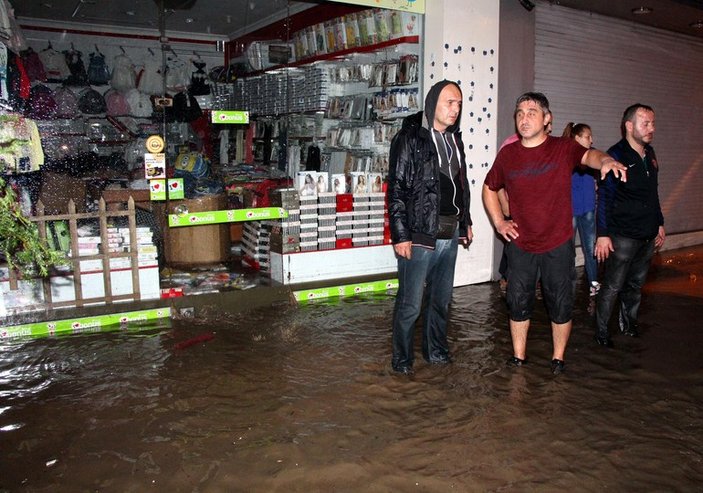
point(431, 103)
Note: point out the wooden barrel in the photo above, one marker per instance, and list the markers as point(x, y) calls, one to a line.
point(197, 245)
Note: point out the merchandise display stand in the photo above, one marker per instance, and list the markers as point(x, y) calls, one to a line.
point(324, 265)
point(341, 98)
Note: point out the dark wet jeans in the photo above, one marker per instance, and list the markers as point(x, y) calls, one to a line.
point(429, 273)
point(625, 273)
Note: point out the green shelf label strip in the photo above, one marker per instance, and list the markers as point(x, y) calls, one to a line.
point(230, 117)
point(227, 216)
point(345, 290)
point(101, 323)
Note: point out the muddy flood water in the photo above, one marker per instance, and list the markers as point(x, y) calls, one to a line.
point(301, 398)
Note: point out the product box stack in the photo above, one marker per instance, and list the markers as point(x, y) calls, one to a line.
point(358, 29)
point(344, 220)
point(308, 223)
point(148, 254)
point(377, 208)
point(360, 223)
point(92, 279)
point(273, 94)
point(285, 234)
point(256, 244)
point(326, 220)
point(316, 88)
point(118, 241)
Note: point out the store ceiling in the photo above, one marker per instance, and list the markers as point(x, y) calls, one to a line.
point(230, 18)
point(671, 15)
point(234, 18)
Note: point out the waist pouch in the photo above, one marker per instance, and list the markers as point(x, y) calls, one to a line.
point(447, 227)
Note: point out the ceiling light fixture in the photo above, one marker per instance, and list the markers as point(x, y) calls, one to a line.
point(642, 10)
point(189, 20)
point(696, 25)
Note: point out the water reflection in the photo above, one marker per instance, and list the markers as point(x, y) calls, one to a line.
point(303, 399)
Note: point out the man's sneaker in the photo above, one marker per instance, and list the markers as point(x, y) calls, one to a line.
point(626, 327)
point(557, 366)
point(595, 287)
point(515, 361)
point(404, 369)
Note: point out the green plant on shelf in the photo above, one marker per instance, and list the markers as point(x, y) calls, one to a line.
point(24, 250)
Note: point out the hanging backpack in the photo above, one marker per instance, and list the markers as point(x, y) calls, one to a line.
point(139, 103)
point(199, 83)
point(66, 103)
point(91, 102)
point(33, 65)
point(18, 84)
point(134, 154)
point(116, 103)
point(185, 108)
point(177, 76)
point(98, 71)
point(192, 162)
point(151, 80)
point(54, 65)
point(42, 105)
point(74, 60)
point(123, 74)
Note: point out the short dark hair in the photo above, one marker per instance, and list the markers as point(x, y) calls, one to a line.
point(629, 115)
point(537, 97)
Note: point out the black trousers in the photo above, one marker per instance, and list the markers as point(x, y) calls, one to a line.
point(625, 273)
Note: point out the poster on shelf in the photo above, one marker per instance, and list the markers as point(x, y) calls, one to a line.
point(375, 182)
point(360, 182)
point(157, 189)
point(341, 183)
point(312, 183)
point(154, 165)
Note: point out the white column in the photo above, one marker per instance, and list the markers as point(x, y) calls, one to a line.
point(461, 44)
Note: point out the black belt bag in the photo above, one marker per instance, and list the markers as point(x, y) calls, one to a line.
point(447, 227)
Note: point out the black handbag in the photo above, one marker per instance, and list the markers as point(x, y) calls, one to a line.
point(447, 227)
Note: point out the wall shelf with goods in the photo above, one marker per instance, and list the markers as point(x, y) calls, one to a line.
point(334, 113)
point(339, 55)
point(352, 103)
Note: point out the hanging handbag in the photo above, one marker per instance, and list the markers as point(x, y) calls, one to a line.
point(447, 227)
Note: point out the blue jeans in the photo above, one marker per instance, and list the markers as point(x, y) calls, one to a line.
point(428, 273)
point(586, 226)
point(625, 273)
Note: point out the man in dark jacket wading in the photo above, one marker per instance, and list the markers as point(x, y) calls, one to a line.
point(630, 224)
point(428, 205)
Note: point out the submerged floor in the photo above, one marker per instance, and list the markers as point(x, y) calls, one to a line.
point(301, 398)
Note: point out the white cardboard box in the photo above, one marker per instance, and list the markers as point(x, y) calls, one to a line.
point(294, 268)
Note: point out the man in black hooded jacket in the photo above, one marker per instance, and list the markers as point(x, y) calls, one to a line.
point(428, 205)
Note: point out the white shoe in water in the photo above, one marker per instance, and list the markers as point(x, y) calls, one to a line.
point(595, 287)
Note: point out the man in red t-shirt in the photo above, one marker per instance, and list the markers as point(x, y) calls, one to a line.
point(536, 172)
